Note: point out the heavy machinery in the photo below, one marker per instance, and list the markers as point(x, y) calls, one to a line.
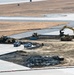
point(17, 44)
point(34, 36)
point(6, 39)
point(32, 45)
point(64, 37)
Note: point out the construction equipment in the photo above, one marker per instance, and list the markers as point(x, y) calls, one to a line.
point(17, 44)
point(64, 37)
point(34, 36)
point(6, 39)
point(32, 45)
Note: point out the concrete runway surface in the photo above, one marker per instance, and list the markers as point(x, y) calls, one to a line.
point(63, 18)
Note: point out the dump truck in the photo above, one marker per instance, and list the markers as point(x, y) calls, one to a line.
point(64, 37)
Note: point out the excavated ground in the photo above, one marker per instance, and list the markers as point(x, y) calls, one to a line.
point(51, 48)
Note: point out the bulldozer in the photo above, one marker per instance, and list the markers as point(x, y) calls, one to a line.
point(64, 37)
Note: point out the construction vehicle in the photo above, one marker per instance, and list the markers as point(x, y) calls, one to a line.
point(17, 44)
point(6, 39)
point(64, 37)
point(32, 45)
point(34, 36)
